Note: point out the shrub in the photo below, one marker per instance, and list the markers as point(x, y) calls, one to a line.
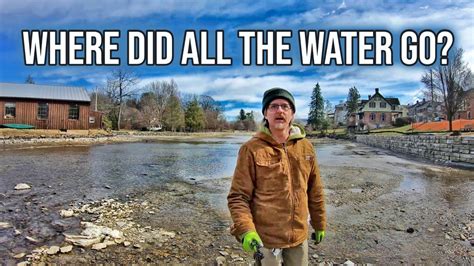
point(403, 121)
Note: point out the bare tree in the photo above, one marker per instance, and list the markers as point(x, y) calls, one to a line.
point(120, 86)
point(450, 81)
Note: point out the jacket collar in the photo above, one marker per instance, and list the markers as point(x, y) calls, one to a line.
point(296, 132)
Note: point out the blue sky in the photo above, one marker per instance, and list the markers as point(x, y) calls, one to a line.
point(237, 86)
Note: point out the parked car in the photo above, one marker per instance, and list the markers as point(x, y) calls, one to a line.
point(155, 128)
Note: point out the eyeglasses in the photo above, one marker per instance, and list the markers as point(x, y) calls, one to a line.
point(274, 107)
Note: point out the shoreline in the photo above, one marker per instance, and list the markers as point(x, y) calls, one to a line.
point(29, 141)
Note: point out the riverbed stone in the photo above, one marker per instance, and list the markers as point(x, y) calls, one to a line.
point(66, 249)
point(66, 213)
point(126, 243)
point(52, 250)
point(220, 260)
point(31, 239)
point(5, 225)
point(19, 255)
point(81, 240)
point(99, 246)
point(22, 186)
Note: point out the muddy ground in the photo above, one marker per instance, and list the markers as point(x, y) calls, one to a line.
point(381, 209)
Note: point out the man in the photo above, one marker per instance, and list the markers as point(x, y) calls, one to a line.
point(275, 183)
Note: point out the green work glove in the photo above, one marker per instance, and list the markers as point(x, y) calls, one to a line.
point(250, 241)
point(318, 236)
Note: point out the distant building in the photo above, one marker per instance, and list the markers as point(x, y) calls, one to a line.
point(467, 109)
point(47, 107)
point(340, 113)
point(377, 112)
point(425, 111)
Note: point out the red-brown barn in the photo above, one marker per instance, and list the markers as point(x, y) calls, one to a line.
point(47, 107)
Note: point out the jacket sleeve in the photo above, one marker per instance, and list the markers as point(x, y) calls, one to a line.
point(241, 192)
point(317, 209)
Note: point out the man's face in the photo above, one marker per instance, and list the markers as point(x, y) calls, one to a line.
point(279, 114)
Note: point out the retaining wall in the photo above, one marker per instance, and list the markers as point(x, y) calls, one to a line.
point(435, 148)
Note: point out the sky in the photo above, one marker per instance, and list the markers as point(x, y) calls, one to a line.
point(238, 86)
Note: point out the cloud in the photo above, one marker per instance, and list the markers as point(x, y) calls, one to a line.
point(66, 11)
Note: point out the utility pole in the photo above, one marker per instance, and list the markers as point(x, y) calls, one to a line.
point(96, 98)
point(433, 104)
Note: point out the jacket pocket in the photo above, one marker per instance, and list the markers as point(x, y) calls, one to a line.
point(270, 175)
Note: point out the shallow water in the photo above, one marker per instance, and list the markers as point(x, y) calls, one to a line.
point(63, 175)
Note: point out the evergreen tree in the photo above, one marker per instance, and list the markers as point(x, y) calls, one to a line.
point(352, 101)
point(242, 116)
point(316, 108)
point(194, 116)
point(174, 118)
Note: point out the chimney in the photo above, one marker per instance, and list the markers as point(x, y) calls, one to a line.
point(376, 90)
point(369, 96)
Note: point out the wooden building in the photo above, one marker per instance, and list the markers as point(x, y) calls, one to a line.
point(47, 107)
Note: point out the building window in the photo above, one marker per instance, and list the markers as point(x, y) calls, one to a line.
point(372, 116)
point(383, 105)
point(372, 104)
point(43, 110)
point(383, 117)
point(10, 110)
point(74, 111)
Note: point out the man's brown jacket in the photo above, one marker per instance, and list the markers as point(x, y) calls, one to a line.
point(274, 186)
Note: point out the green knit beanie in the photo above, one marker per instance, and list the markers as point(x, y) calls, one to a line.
point(277, 93)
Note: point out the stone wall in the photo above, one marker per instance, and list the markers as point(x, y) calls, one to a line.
point(435, 148)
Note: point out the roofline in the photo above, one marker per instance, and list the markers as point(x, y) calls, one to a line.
point(50, 99)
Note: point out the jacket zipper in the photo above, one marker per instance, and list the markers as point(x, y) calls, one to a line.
point(292, 201)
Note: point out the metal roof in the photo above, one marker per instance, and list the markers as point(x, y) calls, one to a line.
point(33, 91)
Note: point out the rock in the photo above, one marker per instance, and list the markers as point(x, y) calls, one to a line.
point(220, 260)
point(472, 242)
point(471, 253)
point(23, 263)
point(463, 237)
point(31, 239)
point(446, 236)
point(66, 213)
point(121, 224)
point(431, 230)
point(126, 243)
point(52, 250)
point(19, 255)
point(107, 187)
point(315, 256)
point(22, 186)
point(137, 246)
point(66, 249)
point(410, 230)
point(5, 225)
point(39, 250)
point(96, 230)
point(110, 243)
point(99, 246)
point(349, 263)
point(118, 240)
point(224, 253)
point(17, 232)
point(234, 256)
point(82, 241)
